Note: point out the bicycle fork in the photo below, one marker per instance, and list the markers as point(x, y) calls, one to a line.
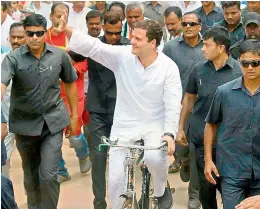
point(130, 171)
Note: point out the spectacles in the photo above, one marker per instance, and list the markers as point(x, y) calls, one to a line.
point(37, 33)
point(253, 63)
point(192, 24)
point(113, 33)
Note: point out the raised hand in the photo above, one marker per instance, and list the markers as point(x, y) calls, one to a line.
point(62, 23)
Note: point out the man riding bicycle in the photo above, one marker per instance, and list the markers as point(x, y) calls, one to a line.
point(148, 100)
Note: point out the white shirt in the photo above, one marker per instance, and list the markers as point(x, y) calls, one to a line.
point(5, 28)
point(78, 20)
point(191, 7)
point(144, 96)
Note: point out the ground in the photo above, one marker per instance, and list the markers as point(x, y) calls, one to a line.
point(77, 193)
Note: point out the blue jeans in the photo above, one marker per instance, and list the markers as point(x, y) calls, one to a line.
point(82, 151)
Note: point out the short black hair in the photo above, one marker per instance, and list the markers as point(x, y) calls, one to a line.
point(76, 57)
point(94, 14)
point(15, 24)
point(35, 20)
point(250, 46)
point(175, 10)
point(193, 13)
point(58, 4)
point(153, 30)
point(112, 18)
point(219, 35)
point(117, 4)
point(4, 6)
point(226, 4)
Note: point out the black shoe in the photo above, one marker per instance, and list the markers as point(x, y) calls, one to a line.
point(185, 173)
point(174, 167)
point(165, 201)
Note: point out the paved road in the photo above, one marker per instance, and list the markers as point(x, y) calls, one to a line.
point(77, 193)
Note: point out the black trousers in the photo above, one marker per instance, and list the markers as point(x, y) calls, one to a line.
point(187, 156)
point(100, 125)
point(40, 156)
point(207, 191)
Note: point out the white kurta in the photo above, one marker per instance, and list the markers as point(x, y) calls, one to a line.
point(144, 96)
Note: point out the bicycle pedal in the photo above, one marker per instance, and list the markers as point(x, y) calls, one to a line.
point(172, 190)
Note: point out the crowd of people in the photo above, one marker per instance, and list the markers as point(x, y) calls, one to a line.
point(187, 72)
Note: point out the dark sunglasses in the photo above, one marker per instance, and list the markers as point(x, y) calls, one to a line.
point(113, 33)
point(37, 33)
point(253, 63)
point(192, 24)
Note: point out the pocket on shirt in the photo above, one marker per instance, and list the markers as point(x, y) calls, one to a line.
point(54, 74)
point(28, 78)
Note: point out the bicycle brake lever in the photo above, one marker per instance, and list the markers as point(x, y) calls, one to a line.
point(101, 147)
point(165, 147)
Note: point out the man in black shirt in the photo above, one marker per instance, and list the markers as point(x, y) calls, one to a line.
point(203, 81)
point(101, 101)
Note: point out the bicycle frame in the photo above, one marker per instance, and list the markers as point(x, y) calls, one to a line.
point(130, 165)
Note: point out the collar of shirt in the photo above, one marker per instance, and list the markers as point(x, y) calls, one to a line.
point(181, 39)
point(225, 24)
point(156, 62)
point(25, 49)
point(229, 62)
point(149, 3)
point(240, 85)
point(121, 41)
point(215, 8)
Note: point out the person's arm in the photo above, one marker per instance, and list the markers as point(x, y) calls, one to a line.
point(250, 203)
point(88, 46)
point(68, 76)
point(4, 130)
point(209, 140)
point(187, 105)
point(72, 96)
point(213, 118)
point(7, 73)
point(3, 88)
point(172, 101)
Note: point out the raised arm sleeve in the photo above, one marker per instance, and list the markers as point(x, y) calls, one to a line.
point(107, 55)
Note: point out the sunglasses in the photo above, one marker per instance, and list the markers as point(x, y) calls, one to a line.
point(37, 33)
point(253, 63)
point(192, 24)
point(113, 33)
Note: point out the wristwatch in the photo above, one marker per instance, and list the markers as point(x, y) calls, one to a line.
point(169, 134)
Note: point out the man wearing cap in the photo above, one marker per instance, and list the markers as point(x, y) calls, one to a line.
point(251, 23)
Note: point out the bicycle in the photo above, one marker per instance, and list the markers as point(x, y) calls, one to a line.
point(128, 198)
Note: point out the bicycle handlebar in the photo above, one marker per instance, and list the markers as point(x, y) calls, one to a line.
point(108, 143)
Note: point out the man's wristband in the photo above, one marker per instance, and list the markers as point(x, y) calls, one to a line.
point(169, 134)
